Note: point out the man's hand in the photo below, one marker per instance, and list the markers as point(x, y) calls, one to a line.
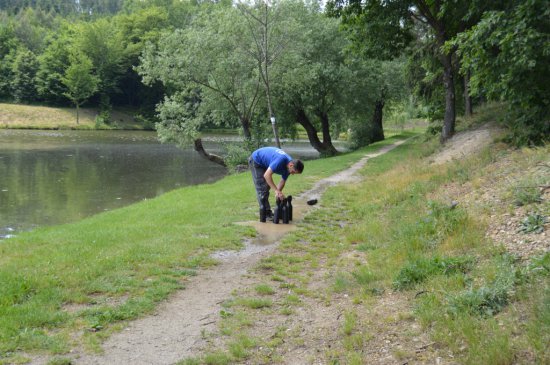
point(268, 176)
point(279, 194)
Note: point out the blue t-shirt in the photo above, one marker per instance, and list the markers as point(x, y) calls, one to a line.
point(273, 157)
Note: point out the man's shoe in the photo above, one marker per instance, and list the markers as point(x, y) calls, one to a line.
point(269, 214)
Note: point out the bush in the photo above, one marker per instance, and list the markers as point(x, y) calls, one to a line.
point(360, 135)
point(147, 122)
point(237, 155)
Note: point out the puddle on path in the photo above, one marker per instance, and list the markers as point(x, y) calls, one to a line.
point(269, 233)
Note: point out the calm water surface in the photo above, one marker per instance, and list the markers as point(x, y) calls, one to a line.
point(54, 177)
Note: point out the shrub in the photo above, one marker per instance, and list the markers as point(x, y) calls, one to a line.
point(533, 223)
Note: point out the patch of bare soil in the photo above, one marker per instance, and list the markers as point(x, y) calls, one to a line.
point(466, 143)
point(491, 193)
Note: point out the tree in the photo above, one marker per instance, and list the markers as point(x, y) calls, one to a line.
point(136, 30)
point(387, 25)
point(32, 27)
point(270, 29)
point(8, 49)
point(312, 81)
point(24, 68)
point(102, 43)
point(54, 61)
point(508, 53)
point(79, 80)
point(206, 57)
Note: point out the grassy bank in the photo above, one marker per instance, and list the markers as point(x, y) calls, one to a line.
point(118, 265)
point(389, 259)
point(393, 260)
point(19, 116)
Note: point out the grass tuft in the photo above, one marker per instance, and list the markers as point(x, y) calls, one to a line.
point(422, 268)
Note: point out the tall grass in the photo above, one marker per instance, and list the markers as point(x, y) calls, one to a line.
point(412, 240)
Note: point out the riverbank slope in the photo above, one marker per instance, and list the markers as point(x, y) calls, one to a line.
point(45, 117)
point(417, 260)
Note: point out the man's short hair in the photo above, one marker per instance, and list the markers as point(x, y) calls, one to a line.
point(298, 166)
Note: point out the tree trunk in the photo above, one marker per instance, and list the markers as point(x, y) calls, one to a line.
point(450, 111)
point(270, 110)
point(245, 123)
point(329, 149)
point(468, 110)
point(211, 157)
point(322, 147)
point(77, 114)
point(378, 129)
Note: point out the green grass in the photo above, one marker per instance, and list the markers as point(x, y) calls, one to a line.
point(22, 116)
point(418, 270)
point(477, 303)
point(264, 289)
point(118, 265)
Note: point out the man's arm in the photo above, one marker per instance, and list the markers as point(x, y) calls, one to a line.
point(268, 176)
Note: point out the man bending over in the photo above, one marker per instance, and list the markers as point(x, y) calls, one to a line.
point(266, 161)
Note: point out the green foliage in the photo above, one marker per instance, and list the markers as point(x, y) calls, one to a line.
point(203, 70)
point(6, 75)
point(237, 155)
point(350, 322)
point(419, 270)
point(239, 348)
point(540, 265)
point(216, 358)
point(538, 329)
point(363, 276)
point(264, 289)
point(255, 303)
point(375, 28)
point(64, 7)
point(431, 229)
point(533, 223)
point(31, 28)
point(527, 192)
point(54, 62)
point(24, 68)
point(79, 80)
point(60, 361)
point(508, 52)
point(360, 134)
point(102, 44)
point(491, 298)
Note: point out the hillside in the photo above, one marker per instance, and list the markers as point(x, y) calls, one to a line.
point(44, 117)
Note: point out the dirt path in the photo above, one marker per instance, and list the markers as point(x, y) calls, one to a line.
point(175, 330)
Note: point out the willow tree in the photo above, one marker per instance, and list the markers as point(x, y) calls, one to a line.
point(270, 33)
point(205, 64)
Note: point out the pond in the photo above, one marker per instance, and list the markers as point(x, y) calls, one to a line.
point(55, 177)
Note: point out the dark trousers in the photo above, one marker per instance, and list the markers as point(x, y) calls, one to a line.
point(262, 188)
